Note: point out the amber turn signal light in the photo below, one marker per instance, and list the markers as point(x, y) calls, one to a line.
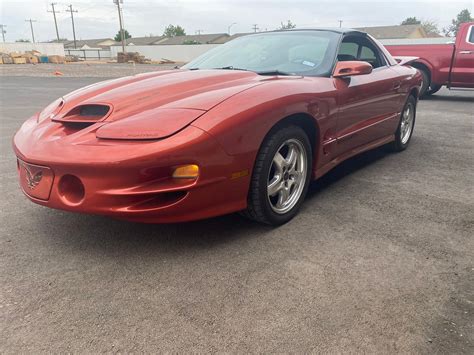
point(190, 171)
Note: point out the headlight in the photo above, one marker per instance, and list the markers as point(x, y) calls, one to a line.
point(51, 110)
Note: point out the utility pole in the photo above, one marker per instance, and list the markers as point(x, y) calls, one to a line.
point(230, 26)
point(3, 31)
point(340, 23)
point(69, 9)
point(31, 26)
point(255, 27)
point(198, 32)
point(55, 21)
point(122, 35)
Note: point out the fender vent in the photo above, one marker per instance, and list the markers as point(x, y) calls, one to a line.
point(85, 114)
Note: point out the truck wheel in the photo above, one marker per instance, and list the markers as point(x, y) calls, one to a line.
point(434, 88)
point(425, 85)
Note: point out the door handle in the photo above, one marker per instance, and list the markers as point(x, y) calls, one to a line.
point(465, 52)
point(396, 85)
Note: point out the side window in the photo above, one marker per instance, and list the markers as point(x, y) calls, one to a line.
point(471, 35)
point(348, 51)
point(369, 54)
point(360, 48)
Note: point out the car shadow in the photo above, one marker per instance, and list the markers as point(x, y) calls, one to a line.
point(450, 98)
point(346, 168)
point(100, 234)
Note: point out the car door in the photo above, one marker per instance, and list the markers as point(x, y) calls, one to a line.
point(368, 104)
point(462, 73)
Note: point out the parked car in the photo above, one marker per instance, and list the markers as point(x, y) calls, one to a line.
point(450, 64)
point(245, 127)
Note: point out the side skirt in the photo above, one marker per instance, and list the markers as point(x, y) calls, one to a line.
point(363, 148)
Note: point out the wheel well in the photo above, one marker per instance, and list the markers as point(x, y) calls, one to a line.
point(414, 92)
point(423, 67)
point(306, 122)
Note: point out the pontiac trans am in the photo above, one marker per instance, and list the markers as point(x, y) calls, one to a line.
point(244, 127)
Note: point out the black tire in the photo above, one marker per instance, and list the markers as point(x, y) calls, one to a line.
point(399, 144)
point(259, 207)
point(434, 88)
point(426, 82)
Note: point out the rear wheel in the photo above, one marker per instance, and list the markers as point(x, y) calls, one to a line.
point(281, 176)
point(405, 127)
point(434, 88)
point(426, 82)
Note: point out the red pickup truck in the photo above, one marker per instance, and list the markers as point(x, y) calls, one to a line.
point(450, 64)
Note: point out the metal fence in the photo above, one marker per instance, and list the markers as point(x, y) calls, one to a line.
point(89, 54)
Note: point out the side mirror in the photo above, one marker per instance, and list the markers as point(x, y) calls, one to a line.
point(351, 68)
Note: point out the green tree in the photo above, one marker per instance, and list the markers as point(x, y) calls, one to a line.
point(191, 41)
point(118, 36)
point(462, 17)
point(411, 21)
point(173, 31)
point(23, 40)
point(430, 27)
point(286, 26)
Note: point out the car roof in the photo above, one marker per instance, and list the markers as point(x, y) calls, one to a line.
point(341, 31)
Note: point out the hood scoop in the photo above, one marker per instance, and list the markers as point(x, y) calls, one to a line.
point(86, 115)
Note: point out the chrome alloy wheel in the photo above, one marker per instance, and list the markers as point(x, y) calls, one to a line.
point(407, 123)
point(287, 176)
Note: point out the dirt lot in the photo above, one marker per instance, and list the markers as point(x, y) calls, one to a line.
point(380, 259)
point(81, 69)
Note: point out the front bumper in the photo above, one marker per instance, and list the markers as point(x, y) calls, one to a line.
point(132, 180)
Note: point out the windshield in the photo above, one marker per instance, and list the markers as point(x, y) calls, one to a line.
point(309, 53)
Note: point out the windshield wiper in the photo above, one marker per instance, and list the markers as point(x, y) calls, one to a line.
point(230, 67)
point(274, 72)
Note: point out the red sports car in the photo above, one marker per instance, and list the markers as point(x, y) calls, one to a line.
point(245, 127)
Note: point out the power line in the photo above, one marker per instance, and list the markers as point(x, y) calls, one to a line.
point(122, 34)
point(3, 31)
point(69, 9)
point(31, 26)
point(55, 21)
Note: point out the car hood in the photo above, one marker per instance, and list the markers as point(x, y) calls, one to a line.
point(145, 106)
point(183, 89)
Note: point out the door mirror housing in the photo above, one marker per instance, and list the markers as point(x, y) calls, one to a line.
point(351, 68)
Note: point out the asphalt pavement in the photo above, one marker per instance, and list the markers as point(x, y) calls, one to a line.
point(380, 259)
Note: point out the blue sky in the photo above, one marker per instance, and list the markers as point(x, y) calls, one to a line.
point(98, 18)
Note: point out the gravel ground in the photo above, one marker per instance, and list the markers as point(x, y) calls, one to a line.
point(380, 259)
point(81, 69)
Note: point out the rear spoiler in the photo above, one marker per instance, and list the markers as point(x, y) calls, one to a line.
point(405, 60)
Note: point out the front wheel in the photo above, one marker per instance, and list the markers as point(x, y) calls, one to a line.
point(280, 177)
point(405, 127)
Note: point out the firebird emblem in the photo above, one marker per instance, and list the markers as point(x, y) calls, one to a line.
point(32, 180)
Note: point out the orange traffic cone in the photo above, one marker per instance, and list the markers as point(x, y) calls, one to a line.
point(58, 73)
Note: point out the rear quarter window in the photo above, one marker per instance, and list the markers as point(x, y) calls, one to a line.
point(470, 38)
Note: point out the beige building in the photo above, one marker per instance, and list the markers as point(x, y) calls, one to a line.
point(397, 32)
